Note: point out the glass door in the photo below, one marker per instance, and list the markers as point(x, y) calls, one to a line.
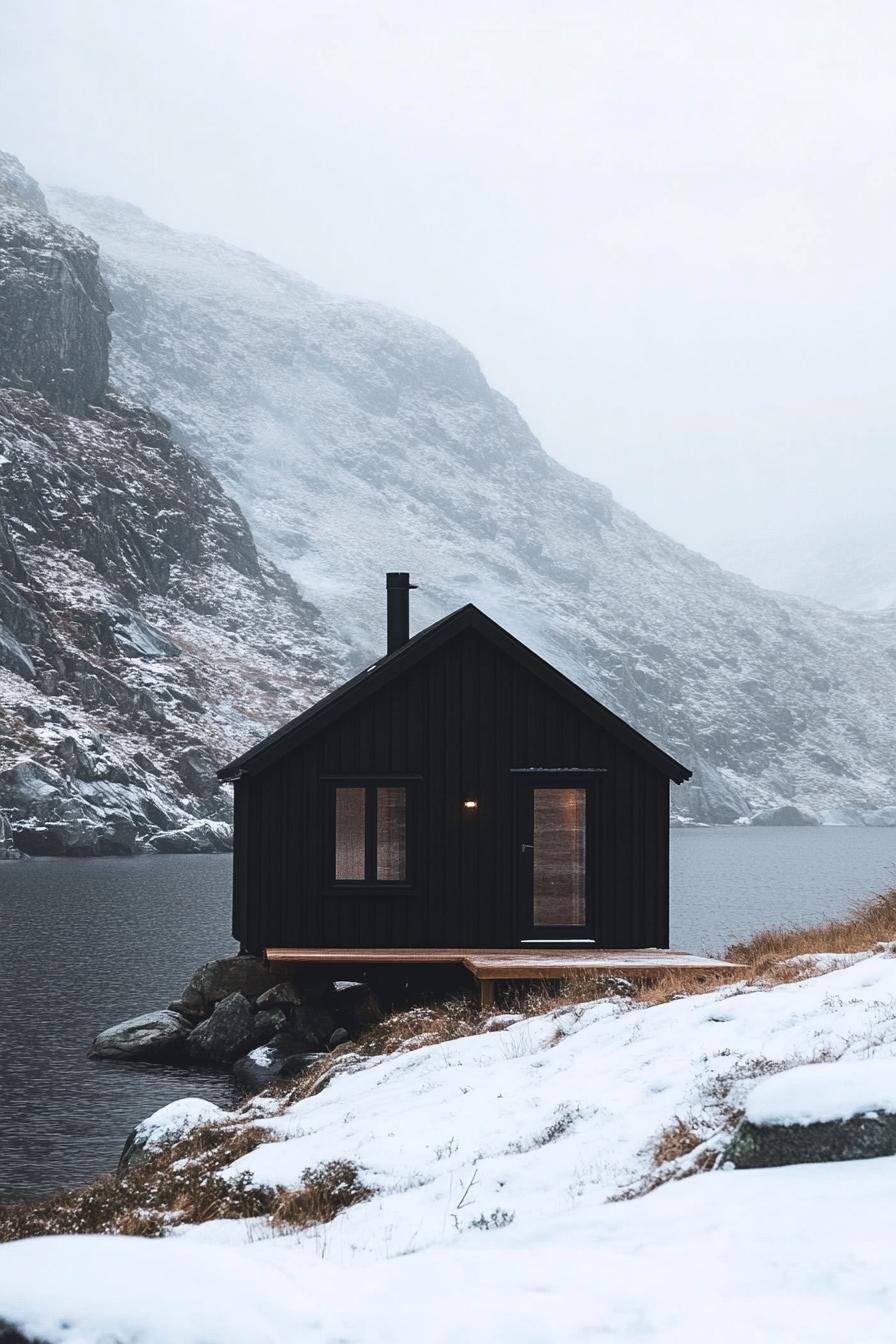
point(555, 819)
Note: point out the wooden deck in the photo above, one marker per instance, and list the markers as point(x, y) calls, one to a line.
point(490, 964)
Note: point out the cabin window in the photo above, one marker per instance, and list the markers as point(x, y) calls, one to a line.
point(370, 833)
point(350, 834)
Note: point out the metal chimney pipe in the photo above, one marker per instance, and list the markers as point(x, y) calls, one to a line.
point(398, 587)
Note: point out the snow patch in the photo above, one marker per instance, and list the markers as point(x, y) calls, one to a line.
point(177, 1119)
point(816, 1093)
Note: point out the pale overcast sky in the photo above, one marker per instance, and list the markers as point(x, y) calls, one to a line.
point(665, 229)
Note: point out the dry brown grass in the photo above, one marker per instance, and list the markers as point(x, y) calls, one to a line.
point(415, 1027)
point(180, 1183)
point(646, 989)
point(870, 922)
point(183, 1183)
point(325, 1191)
point(674, 1142)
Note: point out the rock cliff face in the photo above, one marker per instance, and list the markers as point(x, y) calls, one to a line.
point(54, 337)
point(142, 637)
point(332, 419)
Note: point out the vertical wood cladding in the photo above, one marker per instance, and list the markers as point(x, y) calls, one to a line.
point(461, 720)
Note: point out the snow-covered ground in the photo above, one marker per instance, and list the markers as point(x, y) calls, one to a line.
point(493, 1159)
point(791, 1255)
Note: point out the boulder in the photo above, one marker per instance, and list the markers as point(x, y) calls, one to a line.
point(354, 1005)
point(818, 1113)
point(826, 1141)
point(269, 1022)
point(231, 1031)
point(286, 1044)
point(160, 1035)
point(190, 1005)
point(312, 1025)
point(296, 1064)
point(230, 975)
point(260, 1067)
point(339, 1037)
point(278, 1059)
point(783, 816)
point(165, 1127)
point(197, 837)
point(197, 768)
point(284, 995)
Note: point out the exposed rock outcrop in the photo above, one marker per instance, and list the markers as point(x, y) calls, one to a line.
point(54, 337)
point(140, 630)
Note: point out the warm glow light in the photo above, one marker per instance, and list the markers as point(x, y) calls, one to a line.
point(471, 803)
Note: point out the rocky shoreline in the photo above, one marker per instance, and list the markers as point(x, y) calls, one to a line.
point(239, 1012)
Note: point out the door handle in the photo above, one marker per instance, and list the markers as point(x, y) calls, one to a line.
point(525, 847)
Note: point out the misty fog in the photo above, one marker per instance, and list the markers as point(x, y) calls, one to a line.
point(665, 231)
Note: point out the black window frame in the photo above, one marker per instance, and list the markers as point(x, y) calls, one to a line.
point(370, 784)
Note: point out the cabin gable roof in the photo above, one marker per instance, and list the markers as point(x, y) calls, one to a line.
point(325, 711)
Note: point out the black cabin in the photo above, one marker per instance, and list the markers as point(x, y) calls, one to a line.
point(459, 793)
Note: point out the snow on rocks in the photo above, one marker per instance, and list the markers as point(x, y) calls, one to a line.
point(817, 1092)
point(167, 1125)
point(819, 1113)
point(199, 837)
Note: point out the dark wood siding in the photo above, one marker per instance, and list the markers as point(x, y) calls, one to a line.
point(462, 720)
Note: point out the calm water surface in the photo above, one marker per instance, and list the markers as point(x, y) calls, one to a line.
point(87, 942)
point(731, 881)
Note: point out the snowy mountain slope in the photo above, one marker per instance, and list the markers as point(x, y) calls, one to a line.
point(141, 635)
point(357, 439)
point(492, 1160)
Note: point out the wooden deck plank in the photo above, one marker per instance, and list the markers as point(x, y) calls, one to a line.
point(365, 955)
point(507, 963)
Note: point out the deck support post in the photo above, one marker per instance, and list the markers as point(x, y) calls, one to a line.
point(486, 995)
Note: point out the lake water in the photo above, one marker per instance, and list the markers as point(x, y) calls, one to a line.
point(87, 942)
